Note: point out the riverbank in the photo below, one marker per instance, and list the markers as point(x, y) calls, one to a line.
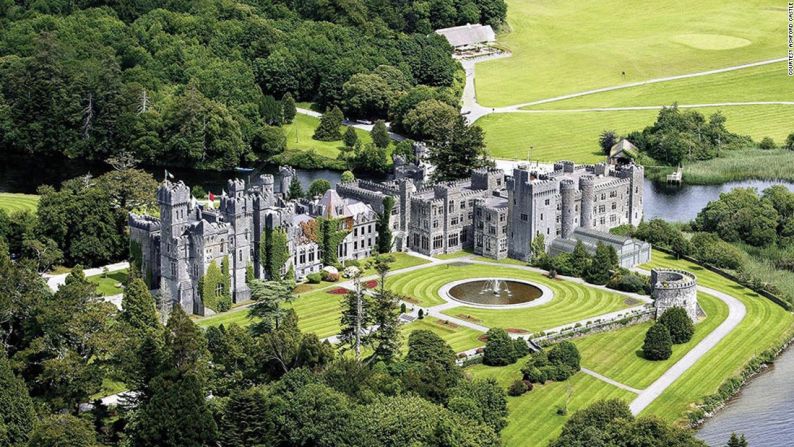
point(733, 166)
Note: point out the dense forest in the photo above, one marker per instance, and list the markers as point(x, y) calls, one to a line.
point(192, 82)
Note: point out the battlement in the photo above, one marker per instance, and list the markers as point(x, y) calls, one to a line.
point(142, 222)
point(173, 193)
point(670, 279)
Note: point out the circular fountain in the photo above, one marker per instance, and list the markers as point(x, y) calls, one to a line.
point(496, 292)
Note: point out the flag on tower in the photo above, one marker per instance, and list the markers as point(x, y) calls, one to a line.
point(168, 174)
point(211, 201)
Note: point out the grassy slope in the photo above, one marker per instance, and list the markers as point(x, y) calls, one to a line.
point(561, 47)
point(574, 135)
point(618, 354)
point(765, 325)
point(764, 83)
point(110, 285)
point(533, 420)
point(299, 137)
point(572, 301)
point(11, 202)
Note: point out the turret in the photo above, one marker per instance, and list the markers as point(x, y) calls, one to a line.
point(174, 200)
point(568, 194)
point(587, 186)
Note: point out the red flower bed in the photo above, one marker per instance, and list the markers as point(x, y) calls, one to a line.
point(371, 284)
point(338, 291)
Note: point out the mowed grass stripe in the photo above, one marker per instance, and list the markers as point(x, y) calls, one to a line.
point(571, 301)
point(318, 312)
point(12, 202)
point(765, 325)
point(617, 354)
point(533, 420)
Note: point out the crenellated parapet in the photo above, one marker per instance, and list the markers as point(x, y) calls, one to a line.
point(674, 288)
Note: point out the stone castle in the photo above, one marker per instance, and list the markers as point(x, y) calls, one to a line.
point(493, 214)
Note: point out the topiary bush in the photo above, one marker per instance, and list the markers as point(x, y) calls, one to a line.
point(677, 322)
point(658, 343)
point(560, 363)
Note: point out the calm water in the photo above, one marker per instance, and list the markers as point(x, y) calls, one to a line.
point(25, 175)
point(681, 204)
point(763, 411)
point(505, 292)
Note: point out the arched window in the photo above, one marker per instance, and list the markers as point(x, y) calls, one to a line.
point(219, 289)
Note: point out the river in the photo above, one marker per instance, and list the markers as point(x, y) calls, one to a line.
point(763, 411)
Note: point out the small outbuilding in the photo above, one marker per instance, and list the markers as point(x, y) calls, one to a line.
point(623, 152)
point(630, 251)
point(468, 36)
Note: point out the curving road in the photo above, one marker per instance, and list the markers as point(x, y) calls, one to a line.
point(476, 111)
point(736, 313)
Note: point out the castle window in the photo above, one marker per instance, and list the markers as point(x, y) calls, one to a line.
point(541, 216)
point(355, 232)
point(492, 229)
point(451, 206)
point(524, 217)
point(222, 246)
point(548, 230)
point(502, 218)
point(548, 201)
point(219, 289)
point(425, 244)
point(303, 258)
point(438, 242)
point(173, 268)
point(240, 256)
point(603, 220)
point(463, 204)
point(454, 221)
point(435, 224)
point(603, 196)
point(452, 240)
point(614, 205)
point(355, 245)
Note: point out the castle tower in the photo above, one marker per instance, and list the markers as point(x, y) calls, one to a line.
point(637, 186)
point(674, 288)
point(568, 193)
point(175, 280)
point(286, 173)
point(237, 210)
point(587, 186)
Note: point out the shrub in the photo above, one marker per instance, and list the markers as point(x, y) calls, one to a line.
point(517, 388)
point(521, 348)
point(561, 362)
point(421, 314)
point(325, 275)
point(658, 344)
point(767, 143)
point(790, 142)
point(627, 281)
point(314, 278)
point(565, 353)
point(402, 308)
point(677, 322)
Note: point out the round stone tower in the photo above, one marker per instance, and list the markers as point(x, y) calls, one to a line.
point(587, 186)
point(674, 288)
point(568, 193)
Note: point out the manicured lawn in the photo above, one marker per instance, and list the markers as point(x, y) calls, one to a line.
point(765, 83)
point(571, 302)
point(318, 312)
point(765, 325)
point(561, 47)
point(11, 202)
point(299, 137)
point(110, 284)
point(401, 261)
point(618, 354)
point(574, 135)
point(533, 420)
point(459, 338)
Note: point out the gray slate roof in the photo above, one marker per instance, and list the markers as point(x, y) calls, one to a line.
point(468, 34)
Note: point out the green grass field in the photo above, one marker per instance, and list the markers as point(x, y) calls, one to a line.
point(299, 137)
point(533, 420)
point(571, 301)
point(765, 83)
point(561, 47)
point(574, 135)
point(459, 338)
point(11, 202)
point(318, 312)
point(765, 325)
point(111, 284)
point(618, 354)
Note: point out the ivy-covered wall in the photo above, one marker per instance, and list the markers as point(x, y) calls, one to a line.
point(215, 287)
point(384, 229)
point(332, 232)
point(136, 259)
point(274, 252)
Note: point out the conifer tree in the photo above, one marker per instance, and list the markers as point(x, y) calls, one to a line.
point(63, 430)
point(350, 138)
point(295, 188)
point(330, 122)
point(17, 412)
point(186, 346)
point(139, 312)
point(288, 105)
point(380, 135)
point(268, 298)
point(598, 270)
point(658, 344)
point(737, 441)
point(580, 259)
point(678, 323)
point(384, 227)
point(385, 315)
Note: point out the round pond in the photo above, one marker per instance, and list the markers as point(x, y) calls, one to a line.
point(495, 292)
